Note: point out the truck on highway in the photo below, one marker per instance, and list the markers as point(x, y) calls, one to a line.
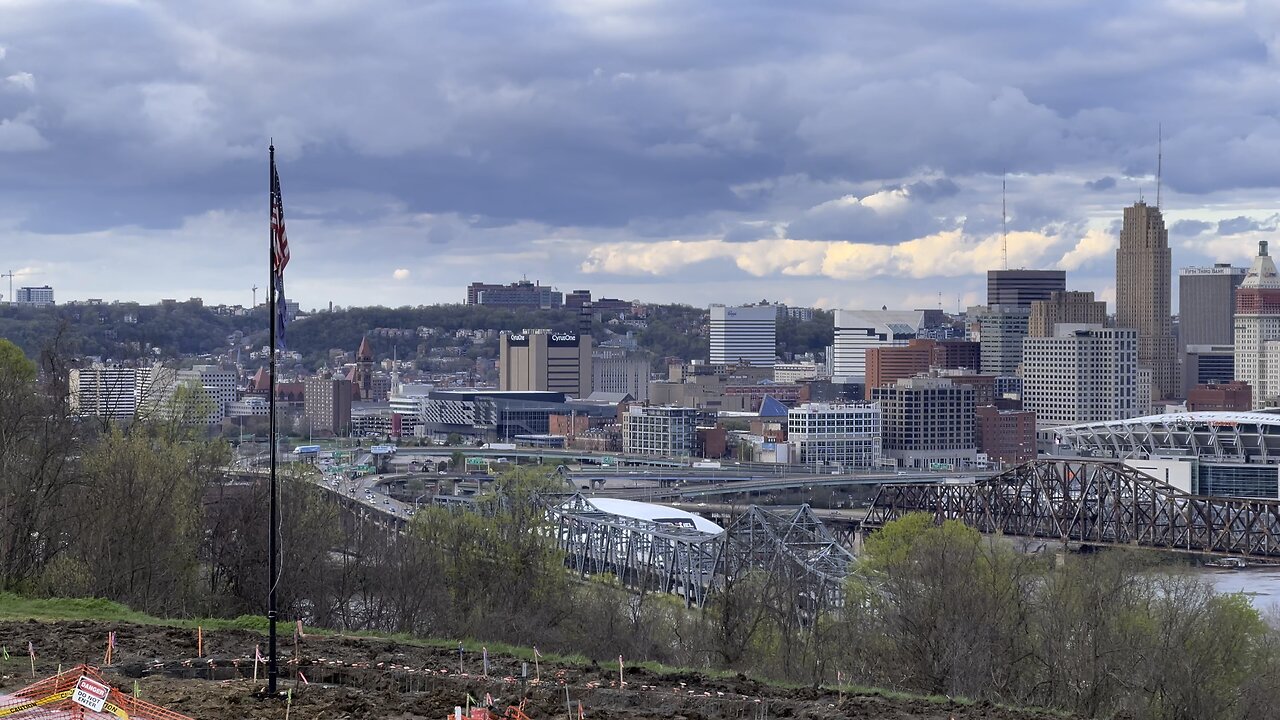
point(706, 465)
point(499, 446)
point(306, 450)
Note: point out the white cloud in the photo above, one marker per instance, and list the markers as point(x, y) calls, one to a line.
point(23, 80)
point(400, 274)
point(19, 136)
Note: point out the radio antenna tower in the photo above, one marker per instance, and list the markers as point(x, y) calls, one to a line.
point(1159, 159)
point(1004, 222)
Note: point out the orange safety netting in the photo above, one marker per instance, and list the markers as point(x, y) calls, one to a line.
point(51, 698)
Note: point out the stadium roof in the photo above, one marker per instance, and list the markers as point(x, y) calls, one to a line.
point(661, 514)
point(1269, 416)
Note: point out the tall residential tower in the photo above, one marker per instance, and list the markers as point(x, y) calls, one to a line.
point(1143, 278)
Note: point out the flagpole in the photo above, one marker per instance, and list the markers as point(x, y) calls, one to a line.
point(273, 670)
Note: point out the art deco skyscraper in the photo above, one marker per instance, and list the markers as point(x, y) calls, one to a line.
point(1143, 278)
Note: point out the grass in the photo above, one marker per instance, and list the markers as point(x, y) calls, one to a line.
point(17, 608)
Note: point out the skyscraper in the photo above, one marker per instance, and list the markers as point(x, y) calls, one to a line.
point(1143, 276)
point(1084, 373)
point(1206, 310)
point(1071, 307)
point(1019, 288)
point(747, 333)
point(1257, 329)
point(547, 361)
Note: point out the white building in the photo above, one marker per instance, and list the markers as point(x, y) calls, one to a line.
point(218, 386)
point(786, 373)
point(1083, 374)
point(841, 435)
point(665, 431)
point(249, 406)
point(857, 331)
point(105, 391)
point(1257, 329)
point(747, 333)
point(42, 295)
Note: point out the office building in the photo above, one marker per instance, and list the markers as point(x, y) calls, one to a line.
point(857, 331)
point(104, 391)
point(217, 389)
point(744, 334)
point(1205, 364)
point(1007, 437)
point(327, 405)
point(42, 295)
point(1071, 306)
point(518, 294)
point(842, 436)
point(1000, 329)
point(662, 431)
point(614, 370)
point(795, 371)
point(1230, 396)
point(1257, 329)
point(887, 365)
point(1082, 374)
point(545, 361)
point(1206, 311)
point(928, 423)
point(1019, 288)
point(1143, 277)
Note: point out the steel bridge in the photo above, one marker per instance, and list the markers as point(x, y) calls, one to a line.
point(794, 549)
point(1091, 502)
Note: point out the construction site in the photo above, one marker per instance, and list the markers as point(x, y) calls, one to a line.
point(171, 673)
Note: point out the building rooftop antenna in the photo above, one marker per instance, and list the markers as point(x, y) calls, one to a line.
point(1004, 221)
point(1159, 159)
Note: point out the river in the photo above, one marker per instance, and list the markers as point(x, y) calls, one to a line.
point(1261, 584)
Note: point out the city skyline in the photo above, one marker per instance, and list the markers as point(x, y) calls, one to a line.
point(832, 157)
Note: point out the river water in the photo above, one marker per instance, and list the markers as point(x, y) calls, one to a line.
point(1261, 584)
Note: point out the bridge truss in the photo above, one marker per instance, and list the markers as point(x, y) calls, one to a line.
point(1091, 501)
point(794, 549)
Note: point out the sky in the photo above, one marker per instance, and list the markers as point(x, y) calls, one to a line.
point(826, 153)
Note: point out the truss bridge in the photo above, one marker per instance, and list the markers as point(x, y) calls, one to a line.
point(648, 555)
point(1091, 502)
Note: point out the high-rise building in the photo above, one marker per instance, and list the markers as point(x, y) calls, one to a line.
point(543, 360)
point(1143, 277)
point(1072, 306)
point(1206, 311)
point(217, 387)
point(1006, 436)
point(928, 421)
point(614, 370)
point(327, 405)
point(1257, 329)
point(1203, 364)
point(845, 435)
point(747, 333)
point(857, 331)
point(1082, 374)
point(42, 295)
point(1001, 330)
point(1019, 288)
point(106, 391)
point(887, 365)
point(664, 431)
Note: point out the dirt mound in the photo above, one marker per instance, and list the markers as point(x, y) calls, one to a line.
point(348, 677)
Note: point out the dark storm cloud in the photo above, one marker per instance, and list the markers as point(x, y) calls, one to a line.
point(469, 133)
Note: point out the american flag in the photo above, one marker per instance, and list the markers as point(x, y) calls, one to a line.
point(279, 240)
